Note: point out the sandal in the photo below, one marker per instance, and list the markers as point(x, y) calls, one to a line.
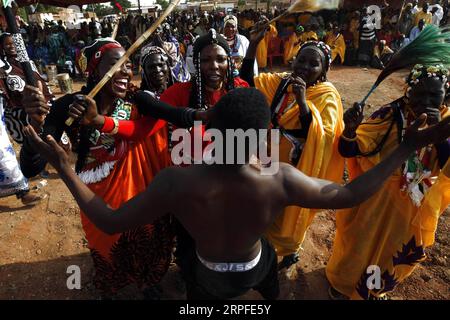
point(288, 261)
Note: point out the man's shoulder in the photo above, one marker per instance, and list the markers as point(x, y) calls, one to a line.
point(283, 172)
point(285, 168)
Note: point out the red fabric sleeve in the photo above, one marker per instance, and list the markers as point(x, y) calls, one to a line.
point(139, 129)
point(133, 129)
point(177, 95)
point(239, 83)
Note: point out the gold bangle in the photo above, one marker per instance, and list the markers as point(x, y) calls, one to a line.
point(349, 139)
point(116, 127)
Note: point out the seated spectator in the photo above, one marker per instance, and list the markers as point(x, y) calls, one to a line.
point(417, 30)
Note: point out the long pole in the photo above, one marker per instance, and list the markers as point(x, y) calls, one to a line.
point(115, 30)
point(400, 15)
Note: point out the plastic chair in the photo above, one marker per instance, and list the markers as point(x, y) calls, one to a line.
point(275, 49)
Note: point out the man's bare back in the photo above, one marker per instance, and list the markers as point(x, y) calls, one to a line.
point(226, 209)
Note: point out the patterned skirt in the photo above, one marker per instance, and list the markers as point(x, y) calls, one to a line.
point(12, 180)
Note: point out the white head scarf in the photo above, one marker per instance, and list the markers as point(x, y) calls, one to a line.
point(230, 19)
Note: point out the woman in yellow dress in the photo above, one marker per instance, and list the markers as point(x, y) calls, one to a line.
point(261, 51)
point(308, 111)
point(293, 44)
point(385, 236)
point(336, 41)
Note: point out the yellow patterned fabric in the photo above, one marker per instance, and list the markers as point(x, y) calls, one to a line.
point(309, 36)
point(427, 17)
point(291, 47)
point(247, 23)
point(387, 230)
point(337, 45)
point(320, 157)
point(261, 51)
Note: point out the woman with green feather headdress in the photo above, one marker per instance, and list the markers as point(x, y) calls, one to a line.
point(392, 229)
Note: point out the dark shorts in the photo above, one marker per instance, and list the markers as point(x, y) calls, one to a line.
point(204, 284)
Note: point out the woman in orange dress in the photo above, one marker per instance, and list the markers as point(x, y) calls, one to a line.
point(116, 169)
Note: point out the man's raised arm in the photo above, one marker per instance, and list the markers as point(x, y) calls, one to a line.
point(309, 192)
point(142, 209)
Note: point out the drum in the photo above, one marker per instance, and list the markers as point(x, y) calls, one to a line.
point(65, 83)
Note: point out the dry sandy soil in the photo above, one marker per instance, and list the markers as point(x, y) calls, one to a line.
point(38, 244)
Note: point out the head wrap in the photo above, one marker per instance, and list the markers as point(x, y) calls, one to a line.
point(420, 72)
point(149, 50)
point(325, 54)
point(231, 20)
point(91, 55)
point(212, 37)
point(324, 51)
point(146, 52)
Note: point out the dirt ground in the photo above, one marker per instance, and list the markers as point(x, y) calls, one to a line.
point(38, 244)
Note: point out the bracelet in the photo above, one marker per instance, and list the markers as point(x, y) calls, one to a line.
point(115, 123)
point(349, 139)
point(116, 127)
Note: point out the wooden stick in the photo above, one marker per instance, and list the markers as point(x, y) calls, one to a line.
point(305, 6)
point(129, 52)
point(116, 29)
point(281, 16)
point(400, 15)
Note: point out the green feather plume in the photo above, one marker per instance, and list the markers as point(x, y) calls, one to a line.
point(431, 47)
